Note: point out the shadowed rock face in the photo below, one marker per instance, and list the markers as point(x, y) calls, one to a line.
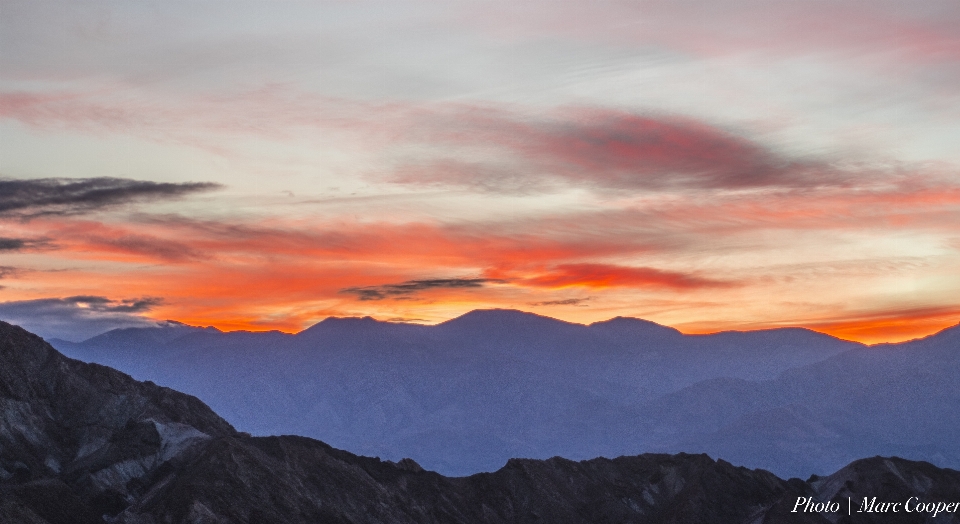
point(75, 438)
point(890, 480)
point(82, 443)
point(311, 482)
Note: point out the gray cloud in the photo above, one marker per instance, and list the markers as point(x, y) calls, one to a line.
point(6, 271)
point(405, 290)
point(106, 305)
point(20, 244)
point(27, 199)
point(149, 246)
point(79, 317)
point(565, 302)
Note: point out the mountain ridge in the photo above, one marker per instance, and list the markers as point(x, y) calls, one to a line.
point(463, 396)
point(131, 474)
point(469, 316)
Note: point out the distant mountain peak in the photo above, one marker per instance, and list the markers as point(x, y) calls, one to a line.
point(337, 324)
point(89, 444)
point(162, 332)
point(502, 315)
point(633, 324)
point(332, 320)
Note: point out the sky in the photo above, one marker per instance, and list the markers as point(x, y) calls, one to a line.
point(264, 165)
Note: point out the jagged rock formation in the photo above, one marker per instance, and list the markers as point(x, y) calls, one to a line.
point(82, 443)
point(75, 438)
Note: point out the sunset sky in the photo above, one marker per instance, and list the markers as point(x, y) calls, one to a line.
point(707, 165)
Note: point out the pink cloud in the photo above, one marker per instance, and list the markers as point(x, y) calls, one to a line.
point(602, 148)
point(509, 150)
point(607, 275)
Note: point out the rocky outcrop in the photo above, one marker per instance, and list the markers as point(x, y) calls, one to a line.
point(82, 443)
point(77, 440)
point(872, 487)
point(293, 479)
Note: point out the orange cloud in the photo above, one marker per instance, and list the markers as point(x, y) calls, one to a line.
point(601, 276)
point(280, 273)
point(890, 325)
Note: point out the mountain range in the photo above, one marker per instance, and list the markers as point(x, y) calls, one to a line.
point(468, 394)
point(83, 443)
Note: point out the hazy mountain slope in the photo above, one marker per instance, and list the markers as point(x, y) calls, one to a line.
point(899, 399)
point(83, 443)
point(459, 397)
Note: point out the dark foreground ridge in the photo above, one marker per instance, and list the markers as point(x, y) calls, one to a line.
point(83, 443)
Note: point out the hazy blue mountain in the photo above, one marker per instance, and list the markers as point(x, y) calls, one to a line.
point(83, 443)
point(465, 395)
point(901, 399)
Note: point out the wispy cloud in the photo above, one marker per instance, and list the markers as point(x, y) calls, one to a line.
point(606, 149)
point(608, 275)
point(26, 199)
point(890, 323)
point(23, 244)
point(564, 302)
point(406, 290)
point(78, 317)
point(671, 157)
point(169, 238)
point(877, 29)
point(199, 121)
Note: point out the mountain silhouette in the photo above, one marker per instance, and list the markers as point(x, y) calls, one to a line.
point(83, 443)
point(467, 394)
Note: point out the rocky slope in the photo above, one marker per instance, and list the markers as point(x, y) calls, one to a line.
point(75, 438)
point(81, 443)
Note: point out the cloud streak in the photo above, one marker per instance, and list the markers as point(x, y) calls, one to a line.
point(892, 323)
point(564, 302)
point(23, 244)
point(78, 317)
point(406, 290)
point(577, 146)
point(599, 276)
point(608, 150)
point(27, 199)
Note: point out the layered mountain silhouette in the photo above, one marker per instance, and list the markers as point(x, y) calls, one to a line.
point(468, 394)
point(83, 443)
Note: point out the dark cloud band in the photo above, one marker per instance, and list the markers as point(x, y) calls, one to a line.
point(565, 302)
point(411, 287)
point(68, 196)
point(22, 244)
